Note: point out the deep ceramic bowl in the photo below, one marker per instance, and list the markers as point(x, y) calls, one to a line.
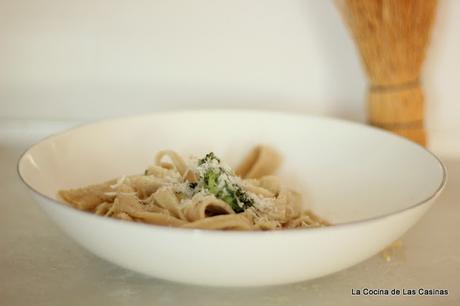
point(371, 184)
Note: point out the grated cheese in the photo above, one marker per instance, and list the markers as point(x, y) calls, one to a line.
point(119, 182)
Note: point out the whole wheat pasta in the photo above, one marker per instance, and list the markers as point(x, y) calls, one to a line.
point(200, 193)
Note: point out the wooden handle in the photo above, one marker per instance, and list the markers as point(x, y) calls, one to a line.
point(399, 109)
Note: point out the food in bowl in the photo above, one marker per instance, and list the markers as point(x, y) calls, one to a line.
point(202, 193)
point(371, 185)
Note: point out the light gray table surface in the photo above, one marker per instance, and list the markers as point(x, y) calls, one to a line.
point(39, 265)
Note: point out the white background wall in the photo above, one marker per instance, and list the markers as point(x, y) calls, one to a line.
point(90, 59)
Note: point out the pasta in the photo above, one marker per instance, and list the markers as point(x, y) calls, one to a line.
point(200, 193)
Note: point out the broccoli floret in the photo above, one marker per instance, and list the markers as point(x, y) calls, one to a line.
point(228, 192)
point(244, 198)
point(209, 157)
point(210, 180)
point(228, 195)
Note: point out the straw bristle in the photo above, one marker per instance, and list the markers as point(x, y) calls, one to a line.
point(392, 36)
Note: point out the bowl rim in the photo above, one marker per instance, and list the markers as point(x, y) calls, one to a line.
point(236, 111)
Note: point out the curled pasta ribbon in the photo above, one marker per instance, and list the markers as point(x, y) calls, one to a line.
point(88, 198)
point(177, 161)
point(208, 207)
point(157, 171)
point(129, 204)
point(261, 161)
point(143, 185)
point(166, 198)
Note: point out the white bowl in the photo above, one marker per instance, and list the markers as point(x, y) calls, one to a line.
point(371, 184)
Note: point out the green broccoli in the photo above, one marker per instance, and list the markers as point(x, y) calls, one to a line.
point(210, 180)
point(209, 157)
point(231, 193)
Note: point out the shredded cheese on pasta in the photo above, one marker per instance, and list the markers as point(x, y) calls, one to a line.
point(201, 193)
